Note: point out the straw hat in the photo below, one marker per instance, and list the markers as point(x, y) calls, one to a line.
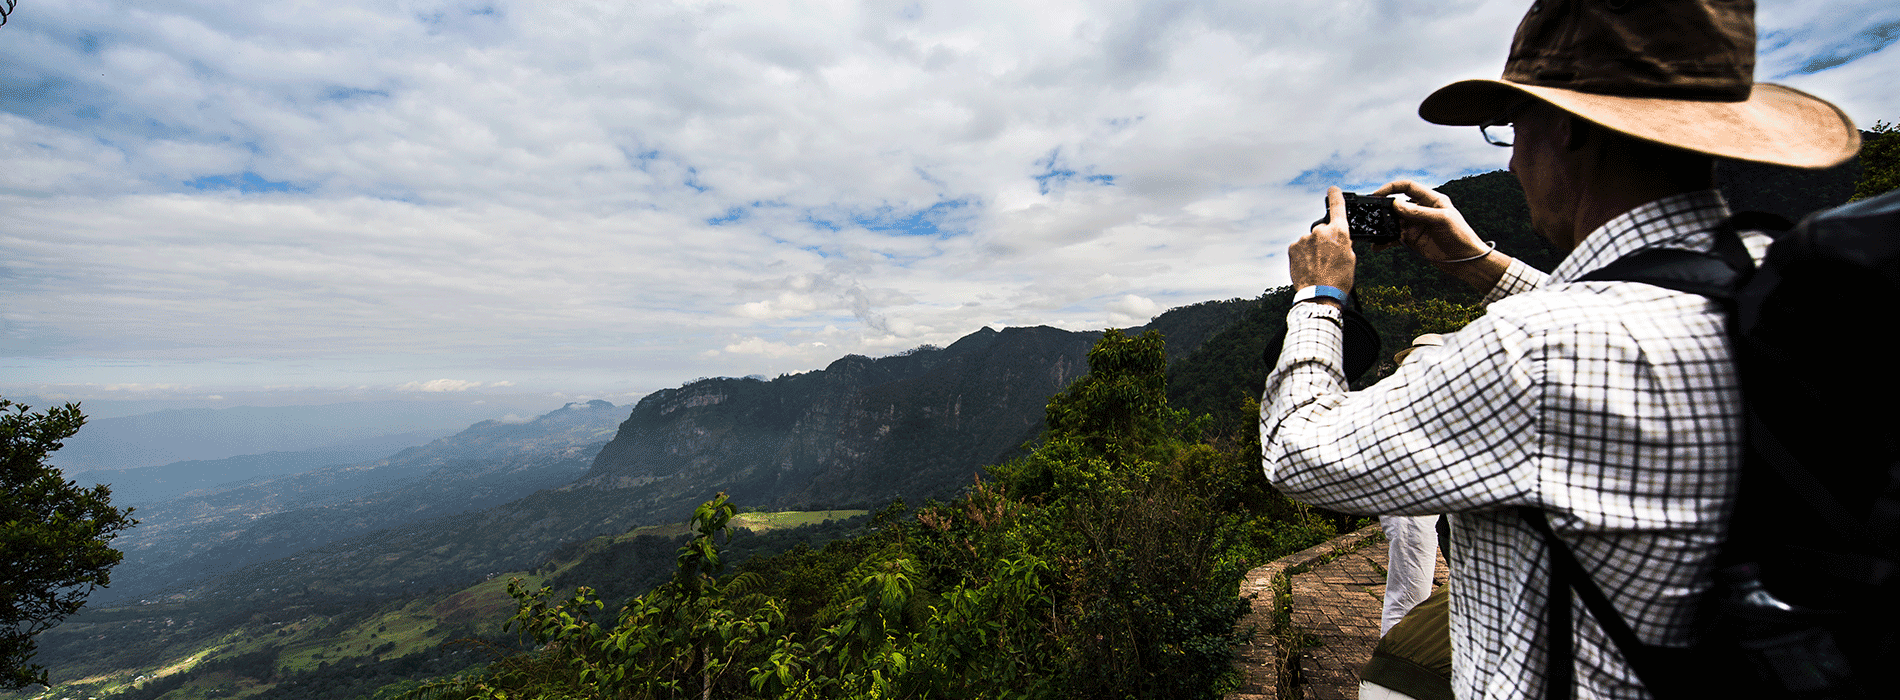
point(1427, 340)
point(1676, 72)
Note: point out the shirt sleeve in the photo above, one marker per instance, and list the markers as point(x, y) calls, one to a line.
point(1313, 355)
point(1452, 430)
point(1518, 277)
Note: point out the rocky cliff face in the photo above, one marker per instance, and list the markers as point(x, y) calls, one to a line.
point(861, 431)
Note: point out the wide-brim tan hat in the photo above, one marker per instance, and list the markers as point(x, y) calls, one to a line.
point(1679, 73)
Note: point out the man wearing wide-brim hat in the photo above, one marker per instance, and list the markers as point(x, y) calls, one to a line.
point(1611, 407)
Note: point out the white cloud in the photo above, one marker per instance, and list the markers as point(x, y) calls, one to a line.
point(1133, 310)
point(142, 388)
point(594, 196)
point(755, 345)
point(440, 385)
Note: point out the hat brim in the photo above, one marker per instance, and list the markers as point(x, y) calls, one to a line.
point(1777, 124)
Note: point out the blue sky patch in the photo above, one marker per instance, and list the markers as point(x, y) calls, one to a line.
point(1867, 41)
point(939, 220)
point(742, 212)
point(31, 98)
point(1316, 180)
point(1056, 172)
point(825, 224)
point(344, 94)
point(247, 182)
point(458, 18)
point(640, 160)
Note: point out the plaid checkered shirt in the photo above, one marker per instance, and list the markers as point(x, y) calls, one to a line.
point(1613, 406)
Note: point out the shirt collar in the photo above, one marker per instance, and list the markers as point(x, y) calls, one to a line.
point(1665, 223)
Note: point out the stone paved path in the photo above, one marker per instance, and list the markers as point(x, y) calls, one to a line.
point(1334, 602)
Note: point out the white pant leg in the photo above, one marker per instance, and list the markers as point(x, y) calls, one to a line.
point(1411, 558)
point(1369, 690)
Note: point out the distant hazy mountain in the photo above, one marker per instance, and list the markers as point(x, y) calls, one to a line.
point(149, 485)
point(176, 435)
point(187, 539)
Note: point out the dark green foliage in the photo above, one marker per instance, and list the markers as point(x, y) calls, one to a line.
point(1880, 161)
point(1120, 408)
point(624, 569)
point(1226, 374)
point(682, 638)
point(53, 532)
point(1791, 193)
point(1188, 328)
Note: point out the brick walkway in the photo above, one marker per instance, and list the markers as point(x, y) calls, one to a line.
point(1332, 601)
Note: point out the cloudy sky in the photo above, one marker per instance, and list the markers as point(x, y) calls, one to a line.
point(205, 198)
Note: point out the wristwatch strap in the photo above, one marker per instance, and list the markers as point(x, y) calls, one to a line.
point(1319, 291)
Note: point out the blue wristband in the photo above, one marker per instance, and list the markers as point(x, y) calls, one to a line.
point(1320, 291)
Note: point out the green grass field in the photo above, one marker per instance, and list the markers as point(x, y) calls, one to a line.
point(763, 522)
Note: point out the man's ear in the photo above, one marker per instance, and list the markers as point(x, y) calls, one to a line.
point(1575, 132)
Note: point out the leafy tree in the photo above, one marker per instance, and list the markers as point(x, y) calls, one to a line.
point(1879, 161)
point(681, 639)
point(53, 533)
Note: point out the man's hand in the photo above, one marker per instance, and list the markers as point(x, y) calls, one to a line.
point(1324, 255)
point(1434, 229)
point(1430, 225)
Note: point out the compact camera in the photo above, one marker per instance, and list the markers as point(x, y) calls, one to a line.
point(1370, 219)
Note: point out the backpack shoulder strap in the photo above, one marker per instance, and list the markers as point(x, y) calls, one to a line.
point(1715, 274)
point(1655, 666)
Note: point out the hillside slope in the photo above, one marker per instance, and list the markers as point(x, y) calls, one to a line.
point(181, 542)
point(285, 648)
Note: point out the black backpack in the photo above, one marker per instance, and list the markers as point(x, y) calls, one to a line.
point(1817, 518)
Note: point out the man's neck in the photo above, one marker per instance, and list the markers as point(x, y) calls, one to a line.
point(1620, 190)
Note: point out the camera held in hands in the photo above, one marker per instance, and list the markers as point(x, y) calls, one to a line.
point(1369, 218)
